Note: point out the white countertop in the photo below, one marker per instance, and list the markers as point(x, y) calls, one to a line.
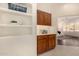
point(46, 34)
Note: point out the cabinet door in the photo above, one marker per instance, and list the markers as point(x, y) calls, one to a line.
point(43, 18)
point(52, 41)
point(47, 19)
point(40, 17)
point(41, 44)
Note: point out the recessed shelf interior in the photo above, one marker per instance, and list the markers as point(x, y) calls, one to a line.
point(4, 7)
point(21, 20)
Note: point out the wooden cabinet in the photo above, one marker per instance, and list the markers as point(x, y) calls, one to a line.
point(42, 44)
point(45, 43)
point(43, 18)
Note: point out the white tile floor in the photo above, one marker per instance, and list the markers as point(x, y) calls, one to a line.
point(62, 50)
point(68, 41)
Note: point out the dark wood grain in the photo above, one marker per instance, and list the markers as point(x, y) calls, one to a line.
point(43, 18)
point(45, 43)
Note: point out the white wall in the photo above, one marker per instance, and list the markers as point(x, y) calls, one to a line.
point(65, 9)
point(24, 45)
point(47, 7)
point(44, 7)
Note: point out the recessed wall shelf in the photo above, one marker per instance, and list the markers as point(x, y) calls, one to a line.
point(14, 12)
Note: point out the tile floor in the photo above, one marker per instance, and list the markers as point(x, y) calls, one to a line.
point(68, 41)
point(62, 50)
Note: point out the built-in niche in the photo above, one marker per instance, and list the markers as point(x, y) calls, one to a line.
point(18, 21)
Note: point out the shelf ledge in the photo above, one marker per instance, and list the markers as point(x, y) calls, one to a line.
point(9, 25)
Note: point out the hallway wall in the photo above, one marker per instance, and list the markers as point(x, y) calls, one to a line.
point(65, 9)
point(47, 7)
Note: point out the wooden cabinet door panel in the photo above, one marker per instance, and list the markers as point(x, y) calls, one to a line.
point(47, 19)
point(41, 44)
point(43, 18)
point(40, 17)
point(52, 42)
